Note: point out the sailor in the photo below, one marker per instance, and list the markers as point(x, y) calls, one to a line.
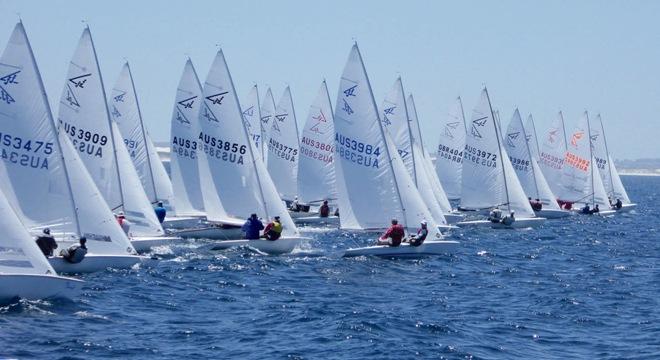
point(586, 209)
point(595, 210)
point(324, 210)
point(495, 215)
point(252, 227)
point(537, 205)
point(273, 230)
point(295, 205)
point(161, 212)
point(336, 213)
point(509, 220)
point(46, 242)
point(618, 205)
point(418, 239)
point(125, 224)
point(76, 252)
point(393, 235)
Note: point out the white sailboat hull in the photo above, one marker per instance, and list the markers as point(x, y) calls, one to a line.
point(431, 247)
point(144, 243)
point(283, 245)
point(453, 218)
point(520, 223)
point(552, 213)
point(94, 262)
point(316, 220)
point(182, 222)
point(33, 287)
point(627, 207)
point(214, 232)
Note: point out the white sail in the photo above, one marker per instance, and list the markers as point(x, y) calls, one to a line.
point(518, 147)
point(423, 161)
point(85, 118)
point(252, 119)
point(240, 178)
point(448, 161)
point(42, 181)
point(267, 114)
point(552, 154)
point(316, 168)
point(185, 148)
point(489, 179)
point(125, 111)
point(530, 130)
point(606, 168)
point(375, 185)
point(401, 126)
point(580, 181)
point(19, 253)
point(284, 147)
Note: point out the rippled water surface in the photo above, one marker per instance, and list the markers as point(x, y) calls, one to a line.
point(586, 287)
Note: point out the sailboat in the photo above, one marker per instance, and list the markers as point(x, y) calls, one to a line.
point(580, 182)
point(24, 271)
point(426, 166)
point(518, 144)
point(238, 174)
point(489, 180)
point(185, 152)
point(552, 152)
point(284, 148)
point(316, 168)
point(397, 122)
point(608, 173)
point(252, 119)
point(46, 184)
point(267, 115)
point(373, 183)
point(449, 157)
point(85, 118)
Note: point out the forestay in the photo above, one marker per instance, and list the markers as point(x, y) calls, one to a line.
point(240, 179)
point(185, 148)
point(579, 183)
point(283, 148)
point(552, 154)
point(373, 183)
point(125, 111)
point(316, 169)
point(448, 161)
point(48, 183)
point(489, 179)
point(267, 114)
point(252, 119)
point(606, 168)
point(518, 147)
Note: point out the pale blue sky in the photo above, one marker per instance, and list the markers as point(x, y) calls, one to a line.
point(540, 56)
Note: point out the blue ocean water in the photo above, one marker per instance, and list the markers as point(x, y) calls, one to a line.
point(584, 288)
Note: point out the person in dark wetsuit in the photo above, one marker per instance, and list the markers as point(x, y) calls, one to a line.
point(393, 235)
point(324, 210)
point(586, 209)
point(273, 230)
point(75, 253)
point(595, 210)
point(46, 243)
point(418, 239)
point(618, 205)
point(161, 212)
point(252, 227)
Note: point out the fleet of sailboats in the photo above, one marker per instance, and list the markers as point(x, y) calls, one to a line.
point(228, 161)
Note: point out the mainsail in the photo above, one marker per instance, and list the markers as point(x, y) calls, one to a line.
point(283, 148)
point(448, 161)
point(252, 119)
point(267, 115)
point(551, 156)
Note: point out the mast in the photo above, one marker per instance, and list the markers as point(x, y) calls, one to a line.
point(607, 153)
point(107, 112)
point(247, 136)
point(591, 163)
point(261, 127)
point(382, 133)
point(531, 158)
point(563, 129)
point(460, 101)
point(52, 123)
point(536, 140)
point(410, 135)
point(144, 133)
point(499, 146)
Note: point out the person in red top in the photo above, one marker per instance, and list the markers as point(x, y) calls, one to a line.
point(393, 235)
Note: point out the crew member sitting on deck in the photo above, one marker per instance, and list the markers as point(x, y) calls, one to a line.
point(618, 205)
point(393, 235)
point(509, 220)
point(125, 224)
point(595, 210)
point(252, 227)
point(418, 239)
point(273, 230)
point(160, 212)
point(586, 209)
point(295, 205)
point(46, 242)
point(324, 210)
point(495, 216)
point(76, 252)
point(536, 205)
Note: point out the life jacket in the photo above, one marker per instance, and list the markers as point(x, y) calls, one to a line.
point(277, 227)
